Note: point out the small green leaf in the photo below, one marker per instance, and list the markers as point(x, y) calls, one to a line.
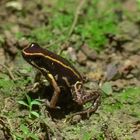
point(28, 99)
point(23, 103)
point(35, 114)
point(35, 102)
point(107, 88)
point(24, 129)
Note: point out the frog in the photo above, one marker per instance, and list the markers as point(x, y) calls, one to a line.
point(61, 74)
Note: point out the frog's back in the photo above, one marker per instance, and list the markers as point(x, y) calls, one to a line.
point(55, 64)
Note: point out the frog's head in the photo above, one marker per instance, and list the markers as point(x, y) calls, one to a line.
point(32, 54)
point(30, 51)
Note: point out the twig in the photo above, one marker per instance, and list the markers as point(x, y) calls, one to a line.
point(76, 16)
point(9, 72)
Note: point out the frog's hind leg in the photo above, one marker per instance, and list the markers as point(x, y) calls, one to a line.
point(94, 98)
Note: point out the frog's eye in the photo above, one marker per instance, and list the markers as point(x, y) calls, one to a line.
point(32, 45)
point(33, 48)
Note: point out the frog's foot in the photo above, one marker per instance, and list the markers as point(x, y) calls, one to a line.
point(95, 101)
point(47, 103)
point(33, 87)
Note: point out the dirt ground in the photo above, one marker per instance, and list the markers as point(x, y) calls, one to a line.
point(115, 69)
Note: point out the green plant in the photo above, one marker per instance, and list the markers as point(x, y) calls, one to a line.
point(138, 2)
point(41, 35)
point(86, 136)
point(30, 104)
point(96, 24)
point(127, 100)
point(26, 133)
point(92, 27)
point(6, 85)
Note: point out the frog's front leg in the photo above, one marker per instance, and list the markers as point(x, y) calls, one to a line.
point(56, 93)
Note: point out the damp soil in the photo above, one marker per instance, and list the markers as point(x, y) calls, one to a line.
point(115, 69)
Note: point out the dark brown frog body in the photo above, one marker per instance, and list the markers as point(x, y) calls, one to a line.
point(60, 73)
